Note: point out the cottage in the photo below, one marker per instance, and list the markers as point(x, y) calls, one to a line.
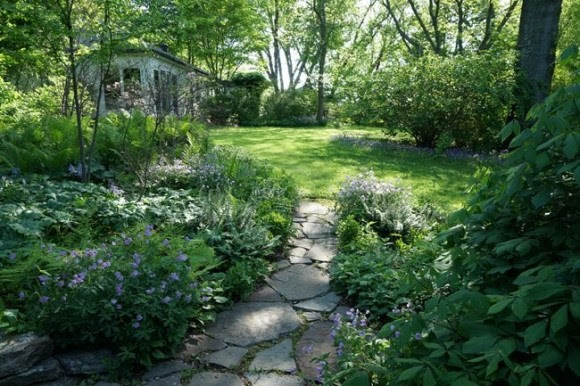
point(152, 79)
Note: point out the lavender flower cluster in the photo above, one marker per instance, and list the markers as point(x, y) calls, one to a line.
point(366, 185)
point(202, 171)
point(384, 145)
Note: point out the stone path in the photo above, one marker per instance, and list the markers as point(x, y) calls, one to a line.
point(270, 338)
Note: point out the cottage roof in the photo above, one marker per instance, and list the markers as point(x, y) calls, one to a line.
point(166, 55)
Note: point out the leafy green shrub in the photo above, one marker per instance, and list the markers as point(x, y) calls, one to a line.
point(291, 108)
point(230, 227)
point(466, 97)
point(386, 206)
point(278, 224)
point(508, 305)
point(243, 276)
point(138, 293)
point(353, 236)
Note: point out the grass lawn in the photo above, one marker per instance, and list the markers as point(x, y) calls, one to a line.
point(320, 165)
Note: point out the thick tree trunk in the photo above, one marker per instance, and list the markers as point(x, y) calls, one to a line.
point(537, 46)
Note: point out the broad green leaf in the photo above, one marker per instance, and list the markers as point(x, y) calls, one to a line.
point(428, 378)
point(410, 373)
point(541, 198)
point(534, 333)
point(479, 344)
point(574, 360)
point(519, 308)
point(499, 306)
point(550, 142)
point(361, 378)
point(575, 309)
point(559, 319)
point(528, 378)
point(569, 52)
point(550, 356)
point(570, 146)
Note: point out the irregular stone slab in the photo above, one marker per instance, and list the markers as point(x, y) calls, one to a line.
point(228, 358)
point(277, 357)
point(297, 252)
point(208, 378)
point(317, 231)
point(342, 310)
point(21, 352)
point(312, 316)
point(324, 303)
point(73, 381)
point(316, 219)
point(299, 219)
point(165, 368)
point(300, 282)
point(264, 294)
point(324, 266)
point(299, 260)
point(315, 342)
point(197, 344)
point(171, 380)
point(84, 362)
point(302, 243)
point(46, 370)
point(272, 379)
point(311, 207)
point(329, 241)
point(282, 264)
point(321, 252)
point(299, 234)
point(330, 218)
point(250, 323)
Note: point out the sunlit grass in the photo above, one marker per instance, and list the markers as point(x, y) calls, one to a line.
point(320, 165)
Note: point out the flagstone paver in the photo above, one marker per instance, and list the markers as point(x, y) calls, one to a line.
point(325, 303)
point(270, 313)
point(228, 358)
point(250, 323)
point(275, 358)
point(300, 282)
point(208, 378)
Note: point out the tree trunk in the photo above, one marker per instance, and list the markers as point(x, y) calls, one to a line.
point(537, 46)
point(321, 14)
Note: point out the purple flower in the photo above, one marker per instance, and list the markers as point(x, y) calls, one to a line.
point(135, 273)
point(340, 350)
point(165, 242)
point(43, 279)
point(148, 230)
point(166, 300)
point(113, 301)
point(204, 299)
point(139, 318)
point(119, 276)
point(136, 325)
point(163, 285)
point(178, 295)
point(392, 327)
point(44, 299)
point(397, 334)
point(115, 189)
point(119, 306)
point(60, 283)
point(193, 285)
point(188, 299)
point(308, 349)
point(106, 264)
point(174, 276)
point(128, 240)
point(181, 256)
point(119, 289)
point(11, 256)
point(418, 336)
point(21, 295)
point(150, 291)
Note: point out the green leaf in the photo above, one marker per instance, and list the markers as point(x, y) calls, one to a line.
point(411, 373)
point(361, 378)
point(528, 378)
point(575, 309)
point(520, 308)
point(560, 319)
point(570, 146)
point(541, 199)
point(569, 52)
point(428, 378)
point(534, 333)
point(550, 356)
point(499, 306)
point(508, 130)
point(550, 142)
point(479, 344)
point(574, 360)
